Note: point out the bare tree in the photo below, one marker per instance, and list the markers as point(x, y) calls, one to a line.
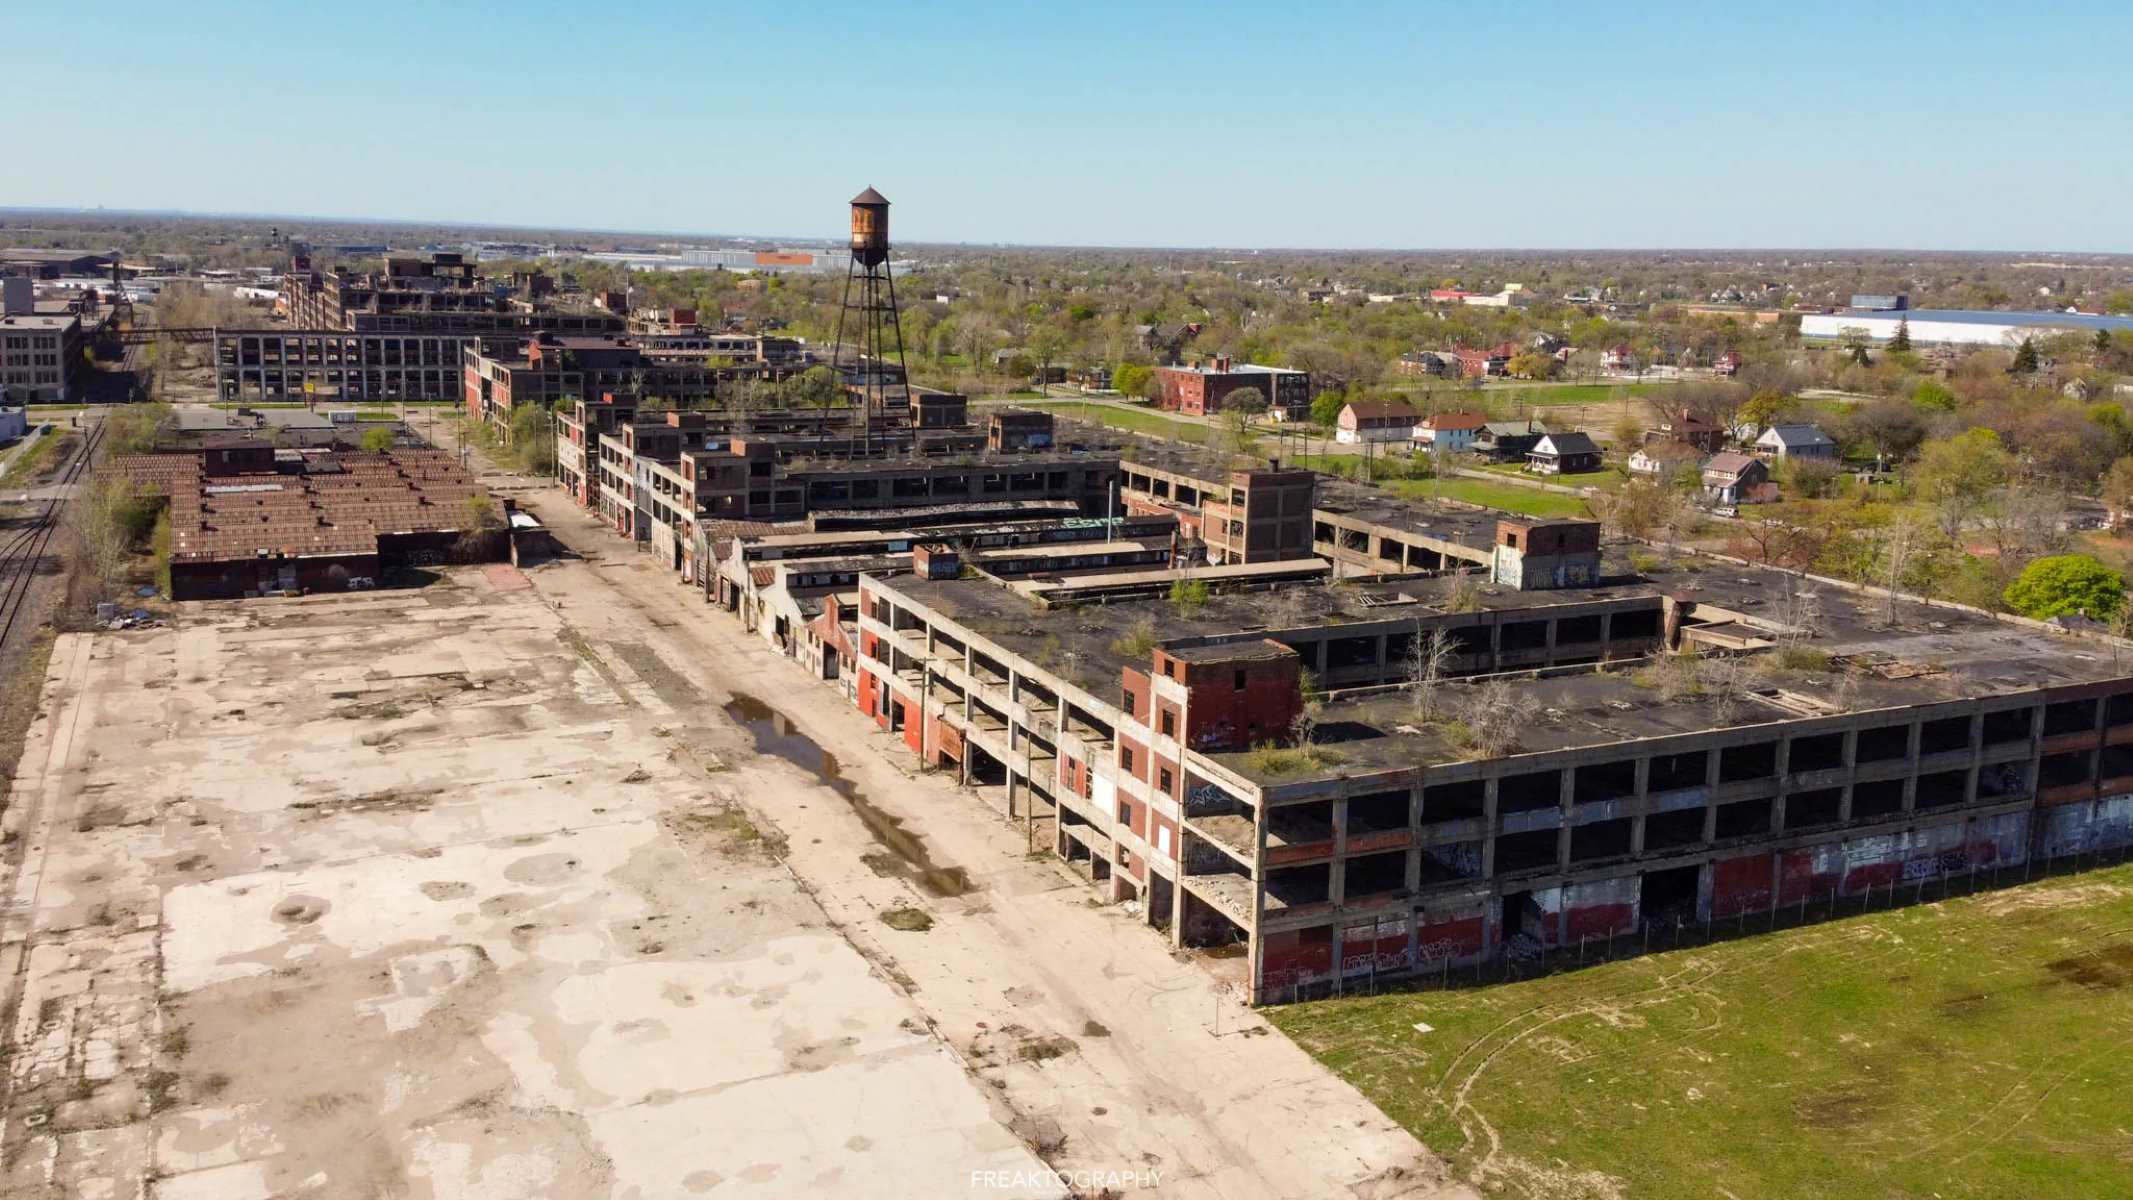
point(1429, 657)
point(1496, 714)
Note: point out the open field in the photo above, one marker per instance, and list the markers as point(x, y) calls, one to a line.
point(1507, 496)
point(1129, 420)
point(1975, 1047)
point(414, 893)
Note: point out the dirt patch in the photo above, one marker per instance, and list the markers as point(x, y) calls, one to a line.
point(907, 920)
point(2105, 969)
point(300, 910)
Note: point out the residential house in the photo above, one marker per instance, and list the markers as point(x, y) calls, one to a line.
point(1795, 441)
point(1618, 357)
point(1563, 454)
point(1507, 441)
point(1375, 421)
point(1486, 362)
point(1450, 433)
point(1681, 425)
point(1660, 461)
point(1727, 364)
point(1428, 364)
point(1738, 479)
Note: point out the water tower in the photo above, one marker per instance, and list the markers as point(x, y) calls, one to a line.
point(870, 313)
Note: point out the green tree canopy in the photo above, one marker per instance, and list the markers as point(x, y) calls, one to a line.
point(2065, 584)
point(378, 439)
point(1956, 475)
point(2025, 359)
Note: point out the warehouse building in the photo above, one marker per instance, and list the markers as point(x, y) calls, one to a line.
point(1960, 327)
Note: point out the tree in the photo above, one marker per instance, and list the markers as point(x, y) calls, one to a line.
point(1764, 409)
point(1902, 340)
point(2067, 584)
point(1933, 396)
point(1429, 658)
point(1326, 407)
point(2025, 359)
point(377, 439)
point(1132, 379)
point(1956, 475)
point(1890, 424)
point(2118, 490)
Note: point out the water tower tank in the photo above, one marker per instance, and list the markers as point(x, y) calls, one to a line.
point(870, 228)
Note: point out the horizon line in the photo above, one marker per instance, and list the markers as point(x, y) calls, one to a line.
point(419, 222)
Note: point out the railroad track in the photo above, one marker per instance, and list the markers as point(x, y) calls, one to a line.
point(24, 551)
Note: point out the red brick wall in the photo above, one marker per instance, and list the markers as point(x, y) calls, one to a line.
point(1134, 682)
point(1218, 716)
point(1140, 757)
point(1304, 952)
point(869, 691)
point(1459, 937)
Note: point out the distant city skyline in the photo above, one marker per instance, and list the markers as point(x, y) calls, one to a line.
point(1906, 126)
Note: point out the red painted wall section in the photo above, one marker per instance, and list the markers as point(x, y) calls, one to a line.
point(914, 728)
point(1809, 874)
point(1603, 907)
point(1740, 885)
point(1437, 939)
point(1295, 955)
point(866, 697)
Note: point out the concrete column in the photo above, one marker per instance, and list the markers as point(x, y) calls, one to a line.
point(1851, 768)
point(1710, 803)
point(1913, 734)
point(1783, 767)
point(1488, 825)
point(1566, 799)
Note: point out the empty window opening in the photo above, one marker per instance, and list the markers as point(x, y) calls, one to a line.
point(1876, 799)
point(2007, 725)
point(1745, 819)
point(1522, 793)
point(1808, 810)
point(1883, 743)
point(1942, 788)
point(1670, 897)
point(1376, 874)
point(1672, 771)
point(1821, 752)
point(1452, 802)
point(1525, 851)
point(1377, 812)
point(1600, 839)
point(1597, 783)
point(1673, 830)
point(1738, 763)
point(2069, 716)
point(1944, 735)
point(2060, 770)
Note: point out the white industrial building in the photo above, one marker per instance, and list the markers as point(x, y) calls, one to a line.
point(1956, 326)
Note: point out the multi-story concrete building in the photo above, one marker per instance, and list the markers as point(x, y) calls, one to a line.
point(1147, 749)
point(40, 356)
point(393, 335)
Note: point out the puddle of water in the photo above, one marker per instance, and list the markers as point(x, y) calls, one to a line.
point(774, 734)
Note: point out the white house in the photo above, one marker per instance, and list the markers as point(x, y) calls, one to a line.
point(1450, 433)
point(1795, 441)
point(1375, 421)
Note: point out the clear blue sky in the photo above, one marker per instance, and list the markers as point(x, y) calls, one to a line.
point(1951, 125)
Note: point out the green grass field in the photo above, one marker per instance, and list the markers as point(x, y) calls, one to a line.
point(1130, 420)
point(1976, 1047)
point(1507, 496)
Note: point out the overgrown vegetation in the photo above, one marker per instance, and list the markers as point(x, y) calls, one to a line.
point(1948, 1049)
point(1188, 595)
point(1266, 758)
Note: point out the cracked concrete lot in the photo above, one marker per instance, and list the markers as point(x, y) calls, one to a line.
point(408, 894)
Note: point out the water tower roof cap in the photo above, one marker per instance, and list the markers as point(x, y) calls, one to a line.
point(870, 196)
